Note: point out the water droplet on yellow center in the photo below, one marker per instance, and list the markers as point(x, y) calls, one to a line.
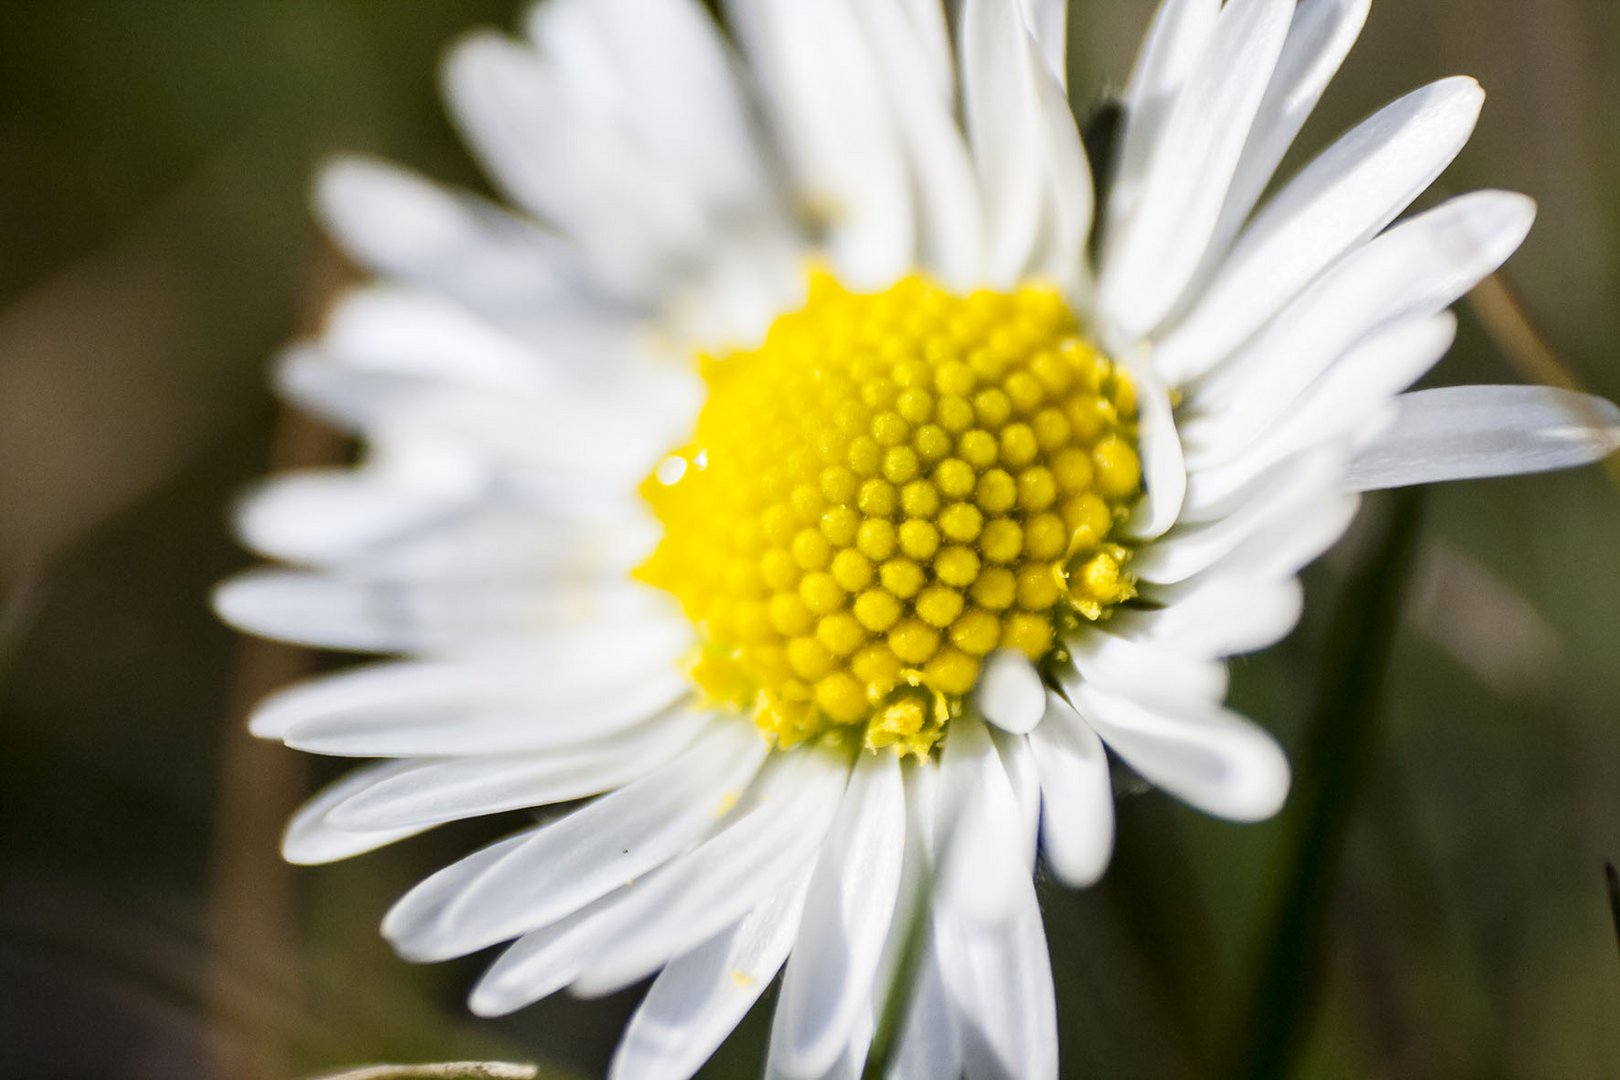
point(888, 489)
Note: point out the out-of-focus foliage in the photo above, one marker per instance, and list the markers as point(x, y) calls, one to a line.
point(155, 250)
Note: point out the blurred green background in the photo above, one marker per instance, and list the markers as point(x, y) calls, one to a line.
point(155, 249)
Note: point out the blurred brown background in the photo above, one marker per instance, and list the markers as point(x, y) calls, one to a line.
point(155, 250)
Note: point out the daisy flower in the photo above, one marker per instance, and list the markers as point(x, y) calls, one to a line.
point(812, 488)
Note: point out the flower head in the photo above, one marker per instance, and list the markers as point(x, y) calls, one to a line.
point(788, 478)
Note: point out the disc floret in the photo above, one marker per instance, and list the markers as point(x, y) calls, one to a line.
point(888, 489)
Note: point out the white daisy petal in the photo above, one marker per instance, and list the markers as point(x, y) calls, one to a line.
point(1077, 796)
point(1007, 127)
point(386, 522)
point(1207, 757)
point(1339, 405)
point(591, 656)
point(927, 20)
point(1048, 22)
point(1193, 548)
point(310, 839)
point(851, 1061)
point(436, 791)
point(825, 88)
point(580, 857)
point(1071, 195)
point(1282, 544)
point(415, 914)
point(699, 998)
point(1218, 615)
point(1318, 40)
point(1010, 692)
point(515, 540)
point(661, 71)
point(1019, 761)
point(846, 921)
point(777, 832)
point(561, 718)
point(1465, 432)
point(401, 616)
point(586, 442)
point(981, 825)
point(951, 217)
point(1164, 466)
point(1416, 269)
point(1000, 977)
point(616, 201)
point(930, 1041)
point(412, 229)
point(763, 849)
point(408, 331)
point(325, 515)
point(1160, 672)
point(541, 962)
point(1341, 199)
point(1173, 47)
point(1151, 256)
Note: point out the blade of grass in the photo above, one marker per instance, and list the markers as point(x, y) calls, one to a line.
point(1340, 745)
point(1153, 896)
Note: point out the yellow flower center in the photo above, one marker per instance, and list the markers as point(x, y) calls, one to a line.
point(890, 488)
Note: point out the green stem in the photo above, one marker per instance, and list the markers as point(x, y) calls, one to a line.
point(1339, 751)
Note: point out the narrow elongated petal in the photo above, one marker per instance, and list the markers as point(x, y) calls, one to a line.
point(436, 791)
point(1071, 194)
point(1010, 693)
point(951, 227)
point(1151, 256)
point(1174, 45)
point(846, 921)
point(1467, 432)
point(1164, 465)
point(1077, 795)
point(564, 865)
point(620, 204)
point(776, 835)
point(1343, 198)
point(1161, 672)
point(1416, 269)
point(699, 998)
point(931, 1041)
point(1005, 122)
point(591, 657)
point(1319, 38)
point(1209, 758)
point(660, 69)
point(1340, 405)
point(310, 839)
point(981, 824)
point(411, 229)
point(1221, 616)
point(826, 91)
point(1048, 22)
point(1001, 981)
point(383, 616)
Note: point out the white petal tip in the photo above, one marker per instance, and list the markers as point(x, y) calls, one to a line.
point(234, 601)
point(1259, 785)
point(489, 1003)
point(1011, 694)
